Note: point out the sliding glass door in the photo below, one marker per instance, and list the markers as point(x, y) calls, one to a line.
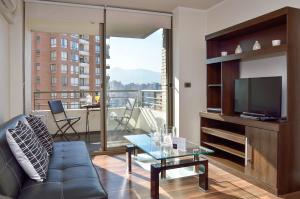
point(66, 66)
point(136, 78)
point(117, 57)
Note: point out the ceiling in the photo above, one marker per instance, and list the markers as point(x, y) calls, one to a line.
point(155, 5)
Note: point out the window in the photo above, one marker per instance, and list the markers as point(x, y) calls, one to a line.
point(53, 42)
point(37, 66)
point(37, 93)
point(75, 57)
point(74, 81)
point(52, 68)
point(97, 48)
point(64, 56)
point(98, 71)
point(97, 60)
point(85, 37)
point(83, 82)
point(38, 39)
point(84, 59)
point(64, 68)
point(64, 95)
point(37, 79)
point(74, 105)
point(76, 69)
point(74, 45)
point(53, 80)
point(74, 35)
point(64, 43)
point(64, 81)
point(65, 105)
point(37, 52)
point(53, 55)
point(97, 82)
point(97, 38)
point(53, 95)
point(81, 70)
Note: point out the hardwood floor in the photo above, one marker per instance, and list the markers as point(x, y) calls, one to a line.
point(222, 185)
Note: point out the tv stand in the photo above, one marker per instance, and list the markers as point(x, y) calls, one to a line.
point(247, 148)
point(265, 153)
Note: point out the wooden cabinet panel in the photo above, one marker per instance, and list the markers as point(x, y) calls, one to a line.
point(262, 155)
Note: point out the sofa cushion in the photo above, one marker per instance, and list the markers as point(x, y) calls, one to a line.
point(41, 131)
point(30, 154)
point(71, 174)
point(12, 176)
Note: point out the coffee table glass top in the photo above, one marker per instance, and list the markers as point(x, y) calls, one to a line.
point(159, 151)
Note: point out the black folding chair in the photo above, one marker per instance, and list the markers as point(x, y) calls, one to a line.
point(65, 123)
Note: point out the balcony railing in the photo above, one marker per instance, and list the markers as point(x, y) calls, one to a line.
point(116, 98)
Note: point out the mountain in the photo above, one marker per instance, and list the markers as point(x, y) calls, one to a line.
point(138, 76)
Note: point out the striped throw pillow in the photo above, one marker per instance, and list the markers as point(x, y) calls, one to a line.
point(28, 151)
point(41, 131)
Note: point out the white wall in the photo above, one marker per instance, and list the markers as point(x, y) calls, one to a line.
point(11, 38)
point(189, 28)
point(16, 62)
point(4, 70)
point(231, 12)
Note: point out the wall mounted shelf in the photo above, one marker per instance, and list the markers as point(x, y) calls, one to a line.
point(250, 55)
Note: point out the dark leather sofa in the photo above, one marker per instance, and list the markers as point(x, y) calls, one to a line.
point(71, 173)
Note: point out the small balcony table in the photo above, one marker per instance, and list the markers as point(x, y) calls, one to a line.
point(89, 108)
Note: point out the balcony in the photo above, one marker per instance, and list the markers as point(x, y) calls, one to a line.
point(148, 114)
point(84, 53)
point(83, 99)
point(82, 64)
point(83, 41)
point(84, 87)
point(84, 75)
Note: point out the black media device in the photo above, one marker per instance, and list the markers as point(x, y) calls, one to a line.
point(258, 98)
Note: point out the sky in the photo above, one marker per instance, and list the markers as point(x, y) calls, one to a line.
point(128, 53)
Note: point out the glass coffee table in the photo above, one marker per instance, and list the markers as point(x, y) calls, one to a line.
point(165, 154)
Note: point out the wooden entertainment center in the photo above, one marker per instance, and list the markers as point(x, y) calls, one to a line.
point(264, 153)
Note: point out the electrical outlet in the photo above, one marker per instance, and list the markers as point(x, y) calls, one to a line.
point(187, 84)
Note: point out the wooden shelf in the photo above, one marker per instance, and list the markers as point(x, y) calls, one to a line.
point(234, 137)
point(225, 163)
point(214, 85)
point(226, 149)
point(272, 126)
point(267, 142)
point(249, 55)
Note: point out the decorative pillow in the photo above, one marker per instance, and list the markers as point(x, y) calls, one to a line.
point(29, 152)
point(41, 131)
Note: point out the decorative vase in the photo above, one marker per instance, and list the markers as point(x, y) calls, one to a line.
point(238, 49)
point(89, 99)
point(256, 46)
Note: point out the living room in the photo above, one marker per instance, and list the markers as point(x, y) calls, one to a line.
point(196, 99)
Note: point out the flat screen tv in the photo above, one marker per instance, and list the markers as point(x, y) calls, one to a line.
point(258, 95)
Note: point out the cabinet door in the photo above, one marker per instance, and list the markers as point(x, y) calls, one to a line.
point(262, 155)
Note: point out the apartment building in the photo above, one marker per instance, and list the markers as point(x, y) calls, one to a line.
point(64, 66)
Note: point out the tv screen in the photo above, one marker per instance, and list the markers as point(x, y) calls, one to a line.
point(258, 95)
